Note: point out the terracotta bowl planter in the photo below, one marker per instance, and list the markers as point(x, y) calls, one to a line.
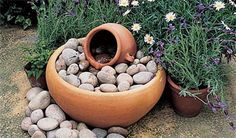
point(103, 109)
point(111, 34)
point(186, 106)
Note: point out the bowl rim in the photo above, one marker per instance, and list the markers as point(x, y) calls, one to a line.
point(159, 76)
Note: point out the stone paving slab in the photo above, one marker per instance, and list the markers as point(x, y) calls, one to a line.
point(161, 122)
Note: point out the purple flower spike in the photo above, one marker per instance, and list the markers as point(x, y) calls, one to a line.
point(183, 23)
point(171, 27)
point(229, 51)
point(216, 61)
point(161, 45)
point(200, 8)
point(150, 51)
point(211, 106)
point(223, 106)
point(158, 53)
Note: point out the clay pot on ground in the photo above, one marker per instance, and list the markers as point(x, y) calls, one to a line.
point(103, 109)
point(111, 40)
point(40, 82)
point(186, 106)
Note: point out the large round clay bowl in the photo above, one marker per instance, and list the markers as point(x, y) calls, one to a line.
point(103, 109)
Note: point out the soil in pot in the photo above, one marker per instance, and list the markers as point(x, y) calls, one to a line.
point(40, 82)
point(186, 106)
point(103, 46)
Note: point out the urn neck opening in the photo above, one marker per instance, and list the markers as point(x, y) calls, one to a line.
point(103, 46)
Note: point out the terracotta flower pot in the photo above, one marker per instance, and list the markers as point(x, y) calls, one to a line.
point(103, 109)
point(186, 106)
point(40, 82)
point(110, 35)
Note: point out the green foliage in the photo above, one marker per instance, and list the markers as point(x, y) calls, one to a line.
point(37, 58)
point(190, 61)
point(151, 17)
point(14, 14)
point(60, 20)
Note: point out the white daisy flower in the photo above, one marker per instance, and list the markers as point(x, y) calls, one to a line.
point(136, 27)
point(135, 3)
point(234, 13)
point(219, 5)
point(225, 25)
point(151, 0)
point(123, 3)
point(170, 16)
point(126, 12)
point(149, 39)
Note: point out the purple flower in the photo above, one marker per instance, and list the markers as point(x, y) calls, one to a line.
point(200, 8)
point(76, 1)
point(150, 51)
point(229, 51)
point(161, 45)
point(216, 61)
point(211, 106)
point(183, 23)
point(171, 27)
point(157, 53)
point(116, 1)
point(221, 105)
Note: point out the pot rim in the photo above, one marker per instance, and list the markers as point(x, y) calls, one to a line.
point(91, 35)
point(175, 86)
point(160, 76)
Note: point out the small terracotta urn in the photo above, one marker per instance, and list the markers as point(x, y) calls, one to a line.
point(109, 44)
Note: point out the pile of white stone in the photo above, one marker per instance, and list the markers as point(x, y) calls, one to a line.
point(73, 67)
point(44, 118)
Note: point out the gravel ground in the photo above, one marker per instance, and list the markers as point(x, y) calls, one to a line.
point(160, 122)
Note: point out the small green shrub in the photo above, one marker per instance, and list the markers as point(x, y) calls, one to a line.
point(37, 59)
